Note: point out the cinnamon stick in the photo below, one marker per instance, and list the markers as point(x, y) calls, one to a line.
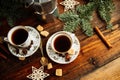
point(102, 37)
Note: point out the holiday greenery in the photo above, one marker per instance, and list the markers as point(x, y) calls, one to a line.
point(12, 10)
point(82, 15)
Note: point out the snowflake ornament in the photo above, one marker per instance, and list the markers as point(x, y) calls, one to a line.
point(69, 4)
point(37, 74)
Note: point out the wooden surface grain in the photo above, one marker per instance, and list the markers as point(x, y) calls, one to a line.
point(110, 71)
point(93, 54)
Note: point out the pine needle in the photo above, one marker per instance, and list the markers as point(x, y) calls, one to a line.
point(82, 15)
point(12, 10)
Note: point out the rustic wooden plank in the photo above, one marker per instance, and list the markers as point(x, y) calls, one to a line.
point(95, 49)
point(110, 71)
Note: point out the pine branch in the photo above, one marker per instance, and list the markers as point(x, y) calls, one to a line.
point(85, 11)
point(71, 20)
point(86, 27)
point(83, 15)
point(11, 10)
point(71, 25)
point(68, 16)
point(105, 9)
point(10, 21)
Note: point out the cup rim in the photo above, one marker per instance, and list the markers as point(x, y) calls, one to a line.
point(11, 32)
point(57, 35)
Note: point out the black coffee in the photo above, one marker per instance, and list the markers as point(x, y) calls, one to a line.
point(62, 43)
point(19, 36)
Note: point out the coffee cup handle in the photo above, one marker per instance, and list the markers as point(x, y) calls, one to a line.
point(5, 39)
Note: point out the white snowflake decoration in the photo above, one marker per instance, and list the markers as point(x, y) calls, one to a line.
point(37, 74)
point(69, 4)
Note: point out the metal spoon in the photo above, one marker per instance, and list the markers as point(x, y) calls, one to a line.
point(43, 60)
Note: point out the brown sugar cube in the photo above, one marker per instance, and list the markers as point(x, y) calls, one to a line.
point(49, 66)
point(58, 72)
point(40, 28)
point(43, 59)
point(71, 51)
point(21, 58)
point(44, 33)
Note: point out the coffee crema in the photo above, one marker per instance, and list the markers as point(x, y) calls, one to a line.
point(62, 43)
point(19, 36)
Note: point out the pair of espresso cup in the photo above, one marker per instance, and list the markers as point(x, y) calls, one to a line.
point(19, 36)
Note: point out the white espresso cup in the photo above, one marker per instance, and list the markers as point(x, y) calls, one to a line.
point(62, 42)
point(18, 36)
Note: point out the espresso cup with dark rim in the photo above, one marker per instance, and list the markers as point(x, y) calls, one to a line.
point(62, 43)
point(18, 36)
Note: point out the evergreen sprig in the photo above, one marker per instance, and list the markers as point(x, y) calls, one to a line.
point(105, 9)
point(69, 25)
point(85, 11)
point(69, 16)
point(71, 20)
point(83, 14)
point(12, 10)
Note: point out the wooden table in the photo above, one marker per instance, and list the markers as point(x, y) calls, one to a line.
point(91, 48)
point(110, 71)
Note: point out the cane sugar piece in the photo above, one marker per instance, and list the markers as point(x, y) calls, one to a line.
point(71, 51)
point(58, 72)
point(44, 33)
point(21, 58)
point(40, 28)
point(43, 59)
point(49, 66)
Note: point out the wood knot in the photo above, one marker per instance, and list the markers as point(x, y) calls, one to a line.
point(93, 61)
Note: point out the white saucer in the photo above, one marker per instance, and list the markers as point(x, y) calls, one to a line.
point(35, 37)
point(57, 58)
